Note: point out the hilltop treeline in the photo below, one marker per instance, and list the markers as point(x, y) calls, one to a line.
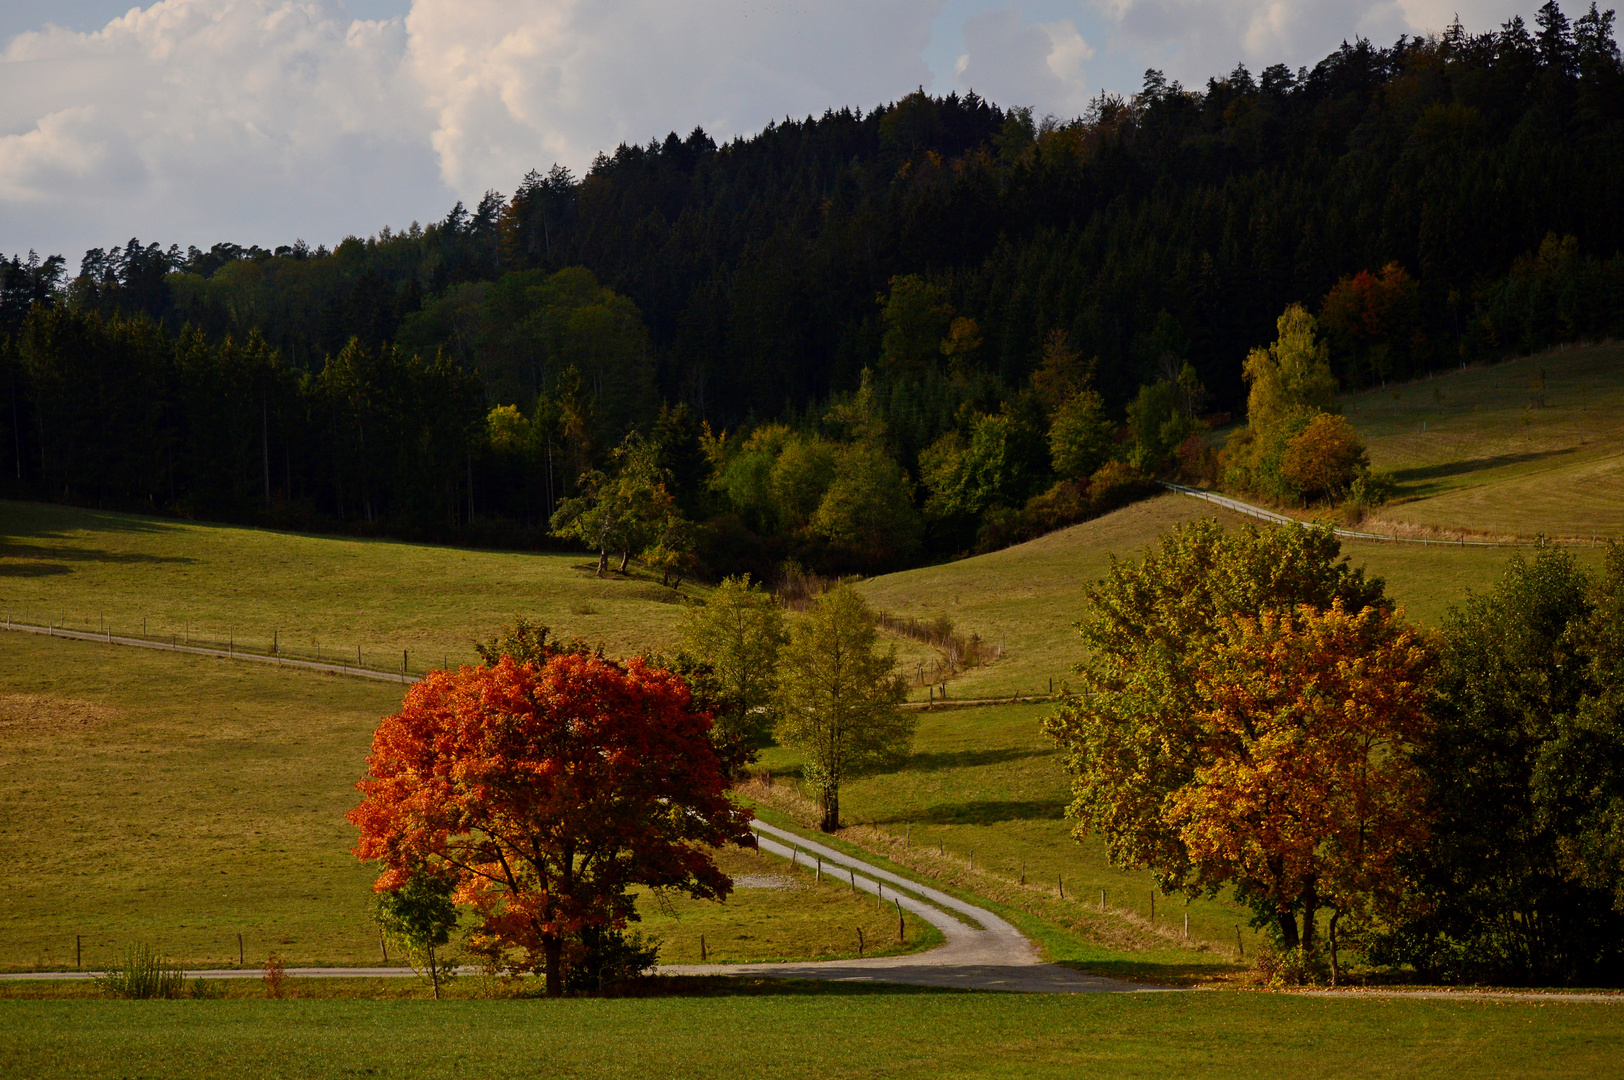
point(1442, 199)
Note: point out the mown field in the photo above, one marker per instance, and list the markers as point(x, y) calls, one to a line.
point(150, 797)
point(1526, 447)
point(90, 569)
point(836, 1031)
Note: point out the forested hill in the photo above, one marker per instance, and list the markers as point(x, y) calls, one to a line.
point(1440, 199)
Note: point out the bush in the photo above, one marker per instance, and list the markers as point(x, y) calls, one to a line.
point(1117, 483)
point(144, 974)
point(608, 957)
point(1325, 458)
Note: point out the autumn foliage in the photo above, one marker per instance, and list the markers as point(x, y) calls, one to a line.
point(1306, 792)
point(547, 790)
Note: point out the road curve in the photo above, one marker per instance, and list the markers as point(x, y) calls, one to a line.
point(981, 950)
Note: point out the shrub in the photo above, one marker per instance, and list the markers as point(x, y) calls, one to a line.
point(1323, 459)
point(606, 957)
point(275, 976)
point(144, 974)
point(1117, 483)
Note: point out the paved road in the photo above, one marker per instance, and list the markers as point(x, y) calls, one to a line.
point(981, 950)
point(1248, 509)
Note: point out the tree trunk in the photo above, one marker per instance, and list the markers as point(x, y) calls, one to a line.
point(625, 557)
point(1335, 915)
point(552, 947)
point(603, 561)
point(1310, 907)
point(1288, 930)
point(434, 974)
point(830, 798)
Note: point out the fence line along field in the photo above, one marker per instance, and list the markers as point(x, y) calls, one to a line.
point(314, 596)
point(981, 803)
point(181, 801)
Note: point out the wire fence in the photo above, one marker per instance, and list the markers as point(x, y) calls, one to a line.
point(384, 664)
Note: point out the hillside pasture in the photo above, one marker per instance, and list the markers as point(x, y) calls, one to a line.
point(1526, 447)
point(1029, 597)
point(981, 803)
point(331, 595)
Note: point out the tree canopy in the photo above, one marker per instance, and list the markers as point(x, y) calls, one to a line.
point(546, 791)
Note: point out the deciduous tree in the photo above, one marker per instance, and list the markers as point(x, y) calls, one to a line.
point(840, 696)
point(739, 631)
point(1131, 737)
point(1304, 791)
point(546, 791)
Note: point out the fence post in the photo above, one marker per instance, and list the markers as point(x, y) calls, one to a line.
point(1102, 899)
point(902, 936)
point(1239, 948)
point(1060, 879)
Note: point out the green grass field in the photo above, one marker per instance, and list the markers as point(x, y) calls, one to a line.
point(1529, 446)
point(178, 801)
point(833, 1031)
point(174, 577)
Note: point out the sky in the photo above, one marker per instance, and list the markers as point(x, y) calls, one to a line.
point(263, 121)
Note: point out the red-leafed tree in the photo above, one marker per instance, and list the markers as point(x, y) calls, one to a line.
point(547, 790)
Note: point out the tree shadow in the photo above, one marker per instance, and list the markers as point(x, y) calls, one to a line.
point(32, 521)
point(988, 812)
point(43, 556)
point(1158, 974)
point(33, 570)
point(1472, 465)
point(760, 986)
point(938, 761)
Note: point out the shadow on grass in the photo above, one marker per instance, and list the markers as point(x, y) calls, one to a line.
point(51, 560)
point(1145, 971)
point(969, 759)
point(986, 812)
point(32, 519)
point(1472, 465)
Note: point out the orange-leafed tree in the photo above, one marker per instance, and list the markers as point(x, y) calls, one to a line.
point(1323, 459)
point(1306, 793)
point(547, 790)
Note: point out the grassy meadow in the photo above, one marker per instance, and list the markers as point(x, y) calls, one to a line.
point(336, 594)
point(836, 1030)
point(181, 801)
point(1525, 447)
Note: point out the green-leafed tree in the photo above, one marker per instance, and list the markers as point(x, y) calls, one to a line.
point(868, 509)
point(1523, 883)
point(1129, 730)
point(1081, 437)
point(839, 696)
point(739, 631)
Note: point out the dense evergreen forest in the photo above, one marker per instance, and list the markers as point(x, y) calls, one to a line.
point(855, 339)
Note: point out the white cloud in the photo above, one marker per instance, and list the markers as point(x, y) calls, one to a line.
point(198, 120)
point(1014, 62)
point(519, 83)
